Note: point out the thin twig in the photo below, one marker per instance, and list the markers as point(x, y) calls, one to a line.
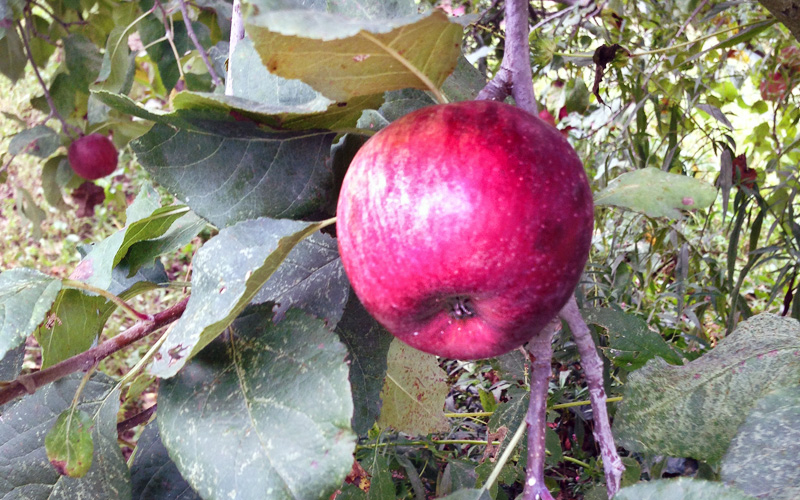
point(593, 370)
point(169, 31)
point(87, 359)
point(237, 33)
point(196, 42)
point(65, 127)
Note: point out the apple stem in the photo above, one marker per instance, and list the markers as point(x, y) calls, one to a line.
point(514, 76)
point(127, 308)
point(593, 370)
point(541, 350)
point(237, 33)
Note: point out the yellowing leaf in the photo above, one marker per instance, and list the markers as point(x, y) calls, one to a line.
point(343, 57)
point(414, 392)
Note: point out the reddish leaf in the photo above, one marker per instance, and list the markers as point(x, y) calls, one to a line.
point(87, 196)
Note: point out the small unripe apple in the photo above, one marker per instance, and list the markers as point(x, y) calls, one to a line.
point(775, 87)
point(464, 228)
point(92, 156)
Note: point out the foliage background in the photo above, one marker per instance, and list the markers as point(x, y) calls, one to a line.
point(686, 99)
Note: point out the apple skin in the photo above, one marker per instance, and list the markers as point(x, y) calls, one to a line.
point(92, 156)
point(775, 87)
point(464, 228)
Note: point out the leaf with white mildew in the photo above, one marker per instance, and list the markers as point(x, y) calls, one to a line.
point(264, 413)
point(228, 272)
point(25, 298)
point(656, 193)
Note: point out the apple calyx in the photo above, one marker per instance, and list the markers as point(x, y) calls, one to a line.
point(461, 308)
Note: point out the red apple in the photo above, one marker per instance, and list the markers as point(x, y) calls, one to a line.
point(92, 156)
point(547, 117)
point(742, 174)
point(464, 228)
point(774, 88)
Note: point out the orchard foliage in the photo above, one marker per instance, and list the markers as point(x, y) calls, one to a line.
point(273, 381)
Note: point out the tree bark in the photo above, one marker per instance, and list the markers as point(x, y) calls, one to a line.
point(787, 12)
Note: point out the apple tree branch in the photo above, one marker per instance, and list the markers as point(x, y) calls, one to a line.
point(514, 76)
point(28, 384)
point(593, 370)
point(541, 351)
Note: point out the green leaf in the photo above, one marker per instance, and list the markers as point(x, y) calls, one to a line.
point(179, 234)
point(716, 113)
point(83, 60)
point(76, 318)
point(75, 322)
point(196, 111)
point(25, 298)
point(41, 49)
point(29, 211)
point(50, 187)
point(680, 489)
point(24, 467)
point(256, 173)
point(381, 483)
point(228, 272)
point(631, 342)
point(265, 414)
point(154, 476)
point(11, 363)
point(253, 82)
point(63, 91)
point(40, 140)
point(764, 457)
point(458, 475)
point(761, 355)
point(146, 220)
point(512, 366)
point(656, 193)
point(511, 413)
point(12, 56)
point(578, 96)
point(488, 402)
point(414, 392)
point(151, 28)
point(464, 83)
point(278, 117)
point(311, 278)
point(368, 346)
point(117, 59)
point(349, 57)
point(69, 443)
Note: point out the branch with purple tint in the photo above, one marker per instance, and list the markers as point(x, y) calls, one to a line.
point(593, 370)
point(514, 76)
point(541, 352)
point(28, 384)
